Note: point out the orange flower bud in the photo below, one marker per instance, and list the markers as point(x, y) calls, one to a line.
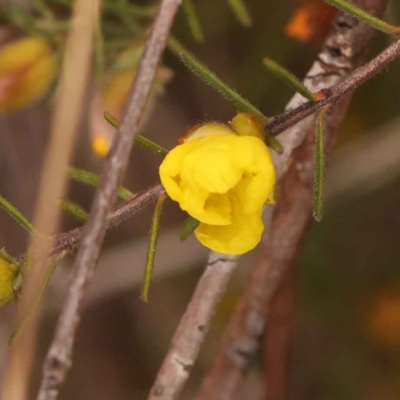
point(311, 21)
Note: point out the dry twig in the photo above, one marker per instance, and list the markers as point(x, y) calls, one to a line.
point(333, 94)
point(70, 240)
point(59, 357)
point(186, 342)
point(281, 242)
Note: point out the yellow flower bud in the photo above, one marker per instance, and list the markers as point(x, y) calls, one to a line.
point(112, 94)
point(111, 98)
point(245, 124)
point(7, 276)
point(223, 180)
point(27, 68)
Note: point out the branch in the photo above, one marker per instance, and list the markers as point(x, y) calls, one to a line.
point(59, 357)
point(192, 328)
point(69, 240)
point(333, 94)
point(172, 375)
point(291, 215)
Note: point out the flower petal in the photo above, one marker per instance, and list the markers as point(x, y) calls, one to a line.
point(258, 179)
point(241, 236)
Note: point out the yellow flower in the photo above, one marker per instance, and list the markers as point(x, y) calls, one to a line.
point(223, 180)
point(7, 276)
point(27, 69)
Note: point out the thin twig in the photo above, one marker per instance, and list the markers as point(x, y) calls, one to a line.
point(67, 114)
point(291, 216)
point(333, 94)
point(59, 357)
point(70, 240)
point(192, 328)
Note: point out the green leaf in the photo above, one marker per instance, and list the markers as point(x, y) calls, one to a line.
point(221, 87)
point(36, 302)
point(139, 139)
point(288, 78)
point(7, 258)
point(239, 8)
point(189, 227)
point(193, 20)
point(363, 16)
point(17, 215)
point(151, 251)
point(318, 201)
point(74, 210)
point(273, 143)
point(91, 179)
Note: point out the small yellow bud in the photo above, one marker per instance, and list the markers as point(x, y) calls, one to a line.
point(203, 130)
point(111, 98)
point(27, 68)
point(7, 276)
point(245, 124)
point(112, 94)
point(100, 145)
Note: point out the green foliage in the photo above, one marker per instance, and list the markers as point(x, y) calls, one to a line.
point(288, 78)
point(36, 302)
point(365, 17)
point(151, 251)
point(193, 20)
point(91, 179)
point(241, 12)
point(221, 87)
point(17, 215)
point(74, 210)
point(7, 258)
point(189, 227)
point(139, 139)
point(318, 202)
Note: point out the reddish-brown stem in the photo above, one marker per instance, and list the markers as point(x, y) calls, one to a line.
point(70, 240)
point(333, 94)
